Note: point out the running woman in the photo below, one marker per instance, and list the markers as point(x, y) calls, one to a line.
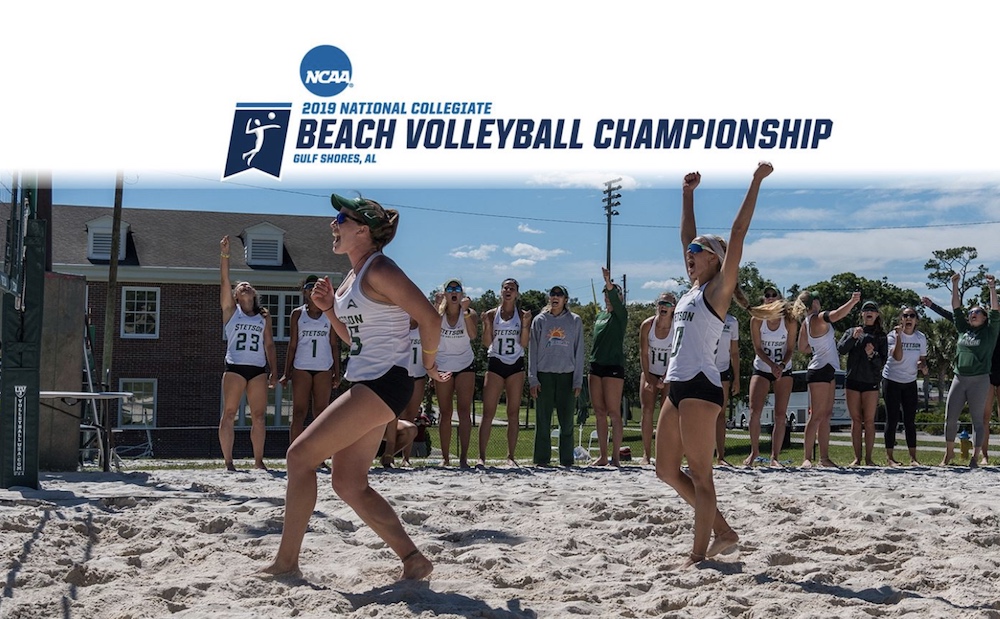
point(371, 309)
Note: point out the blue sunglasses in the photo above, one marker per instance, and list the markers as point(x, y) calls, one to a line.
point(453, 289)
point(697, 248)
point(342, 217)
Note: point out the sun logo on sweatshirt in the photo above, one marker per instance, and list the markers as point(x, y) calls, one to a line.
point(556, 334)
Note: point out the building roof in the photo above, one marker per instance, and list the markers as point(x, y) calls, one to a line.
point(183, 246)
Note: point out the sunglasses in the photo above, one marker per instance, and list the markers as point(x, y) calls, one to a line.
point(977, 311)
point(342, 217)
point(697, 248)
point(309, 286)
point(665, 303)
point(909, 315)
point(770, 296)
point(453, 289)
point(556, 293)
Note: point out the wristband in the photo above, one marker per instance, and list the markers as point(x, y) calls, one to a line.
point(433, 367)
point(324, 310)
point(224, 255)
point(429, 352)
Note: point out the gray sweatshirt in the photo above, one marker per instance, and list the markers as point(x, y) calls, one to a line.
point(556, 346)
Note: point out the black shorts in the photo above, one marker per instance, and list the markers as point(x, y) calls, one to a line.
point(314, 372)
point(699, 388)
point(503, 370)
point(394, 388)
point(248, 372)
point(770, 377)
point(857, 385)
point(995, 378)
point(470, 368)
point(824, 374)
point(727, 376)
point(607, 371)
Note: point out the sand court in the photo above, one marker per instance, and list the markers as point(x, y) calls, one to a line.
point(527, 542)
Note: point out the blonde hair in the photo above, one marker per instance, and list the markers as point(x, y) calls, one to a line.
point(773, 310)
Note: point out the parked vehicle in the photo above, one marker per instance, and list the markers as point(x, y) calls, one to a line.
point(798, 405)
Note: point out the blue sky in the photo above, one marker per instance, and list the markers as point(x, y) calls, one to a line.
point(545, 234)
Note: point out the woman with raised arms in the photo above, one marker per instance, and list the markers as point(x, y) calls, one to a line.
point(687, 420)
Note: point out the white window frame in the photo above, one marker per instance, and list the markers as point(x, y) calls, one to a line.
point(139, 336)
point(281, 319)
point(127, 384)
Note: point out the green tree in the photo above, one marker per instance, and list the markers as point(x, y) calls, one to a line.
point(942, 339)
point(956, 260)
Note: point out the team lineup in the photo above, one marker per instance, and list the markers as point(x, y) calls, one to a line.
point(689, 357)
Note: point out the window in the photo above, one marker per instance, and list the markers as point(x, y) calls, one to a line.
point(140, 411)
point(99, 239)
point(265, 245)
point(280, 305)
point(140, 313)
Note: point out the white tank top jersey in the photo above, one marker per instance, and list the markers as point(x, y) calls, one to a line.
point(455, 350)
point(379, 332)
point(773, 343)
point(824, 348)
point(416, 359)
point(506, 344)
point(659, 350)
point(313, 351)
point(730, 333)
point(696, 335)
point(245, 339)
point(905, 370)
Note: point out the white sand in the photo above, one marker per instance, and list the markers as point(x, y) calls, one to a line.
point(508, 543)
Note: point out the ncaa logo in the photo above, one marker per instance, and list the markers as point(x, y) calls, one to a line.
point(325, 71)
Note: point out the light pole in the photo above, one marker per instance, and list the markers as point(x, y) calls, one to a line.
point(610, 202)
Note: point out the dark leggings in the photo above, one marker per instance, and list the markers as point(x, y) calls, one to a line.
point(900, 396)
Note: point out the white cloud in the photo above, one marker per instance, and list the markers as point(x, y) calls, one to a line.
point(666, 284)
point(483, 252)
point(523, 250)
point(523, 262)
point(569, 180)
point(528, 229)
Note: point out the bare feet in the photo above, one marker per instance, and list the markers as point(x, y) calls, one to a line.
point(600, 462)
point(230, 466)
point(973, 463)
point(692, 560)
point(750, 460)
point(829, 464)
point(807, 464)
point(463, 464)
point(276, 569)
point(893, 463)
point(870, 463)
point(645, 461)
point(946, 461)
point(855, 462)
point(914, 462)
point(774, 464)
point(724, 543)
point(482, 463)
point(446, 462)
point(260, 466)
point(984, 461)
point(416, 566)
point(387, 462)
point(616, 463)
point(512, 462)
point(722, 462)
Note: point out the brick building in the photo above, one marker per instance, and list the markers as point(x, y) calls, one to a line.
point(168, 334)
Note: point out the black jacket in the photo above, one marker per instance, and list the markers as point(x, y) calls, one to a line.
point(860, 367)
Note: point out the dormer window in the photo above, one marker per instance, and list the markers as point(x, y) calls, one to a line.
point(265, 245)
point(99, 239)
